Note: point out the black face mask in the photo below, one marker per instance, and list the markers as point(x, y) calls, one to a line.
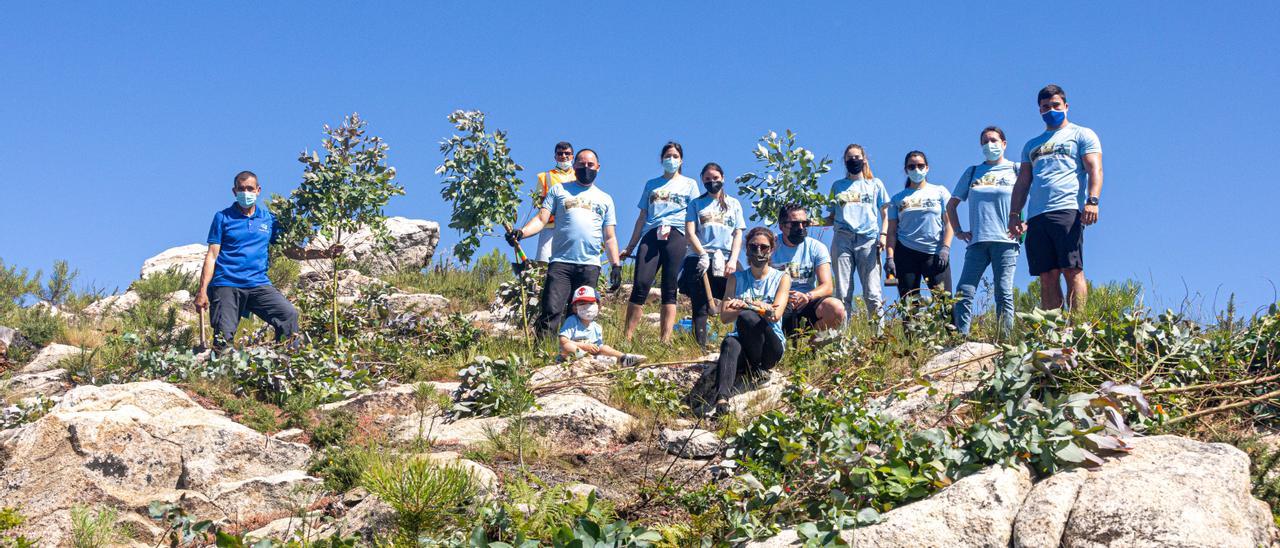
point(757, 258)
point(713, 187)
point(585, 175)
point(796, 234)
point(854, 166)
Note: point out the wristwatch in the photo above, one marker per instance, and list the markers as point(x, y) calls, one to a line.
point(1093, 201)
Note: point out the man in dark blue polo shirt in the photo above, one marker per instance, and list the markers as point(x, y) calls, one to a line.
point(233, 283)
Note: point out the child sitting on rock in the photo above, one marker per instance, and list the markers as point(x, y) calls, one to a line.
point(581, 335)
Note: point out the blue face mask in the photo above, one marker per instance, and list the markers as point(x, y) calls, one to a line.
point(992, 151)
point(246, 199)
point(670, 165)
point(916, 175)
point(1054, 118)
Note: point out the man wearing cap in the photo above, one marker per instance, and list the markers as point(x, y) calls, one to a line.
point(581, 335)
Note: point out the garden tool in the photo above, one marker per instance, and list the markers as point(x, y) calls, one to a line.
point(522, 260)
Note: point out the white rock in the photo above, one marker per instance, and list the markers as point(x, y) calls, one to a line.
point(485, 478)
point(283, 492)
point(977, 510)
point(582, 490)
point(413, 244)
point(113, 305)
point(915, 405)
point(50, 356)
point(462, 433)
point(295, 435)
point(579, 422)
point(50, 384)
point(692, 443)
point(398, 399)
point(1169, 491)
point(1044, 512)
point(129, 444)
point(420, 303)
point(351, 283)
point(188, 258)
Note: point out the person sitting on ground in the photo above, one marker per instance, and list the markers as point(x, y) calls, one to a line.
point(808, 262)
point(757, 299)
point(233, 282)
point(581, 335)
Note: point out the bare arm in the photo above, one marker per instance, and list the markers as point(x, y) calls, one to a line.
point(780, 299)
point(731, 265)
point(694, 242)
point(884, 225)
point(611, 245)
point(635, 232)
point(952, 204)
point(206, 275)
point(947, 231)
point(1019, 199)
point(535, 224)
point(730, 308)
point(1093, 166)
point(891, 237)
point(824, 286)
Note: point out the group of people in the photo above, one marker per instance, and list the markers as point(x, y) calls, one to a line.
point(792, 283)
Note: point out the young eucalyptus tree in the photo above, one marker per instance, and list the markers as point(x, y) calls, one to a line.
point(479, 180)
point(790, 175)
point(343, 190)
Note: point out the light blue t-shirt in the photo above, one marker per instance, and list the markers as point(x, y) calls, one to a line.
point(1058, 178)
point(576, 332)
point(857, 205)
point(715, 224)
point(919, 215)
point(581, 214)
point(664, 201)
point(748, 288)
point(801, 262)
point(988, 189)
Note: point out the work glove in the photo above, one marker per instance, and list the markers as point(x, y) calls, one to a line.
point(944, 257)
point(514, 236)
point(704, 262)
point(890, 269)
point(615, 278)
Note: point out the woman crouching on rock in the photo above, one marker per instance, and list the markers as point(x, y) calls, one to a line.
point(755, 301)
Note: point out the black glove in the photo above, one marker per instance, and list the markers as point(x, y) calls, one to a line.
point(514, 236)
point(890, 269)
point(615, 278)
point(944, 257)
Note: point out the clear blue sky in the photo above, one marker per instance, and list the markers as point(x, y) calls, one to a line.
point(123, 123)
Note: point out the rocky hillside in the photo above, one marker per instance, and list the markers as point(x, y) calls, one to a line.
point(434, 418)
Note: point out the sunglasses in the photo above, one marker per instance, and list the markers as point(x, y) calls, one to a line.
point(805, 224)
point(759, 248)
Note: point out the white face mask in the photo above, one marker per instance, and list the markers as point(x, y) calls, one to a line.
point(917, 175)
point(587, 312)
point(670, 165)
point(564, 166)
point(993, 151)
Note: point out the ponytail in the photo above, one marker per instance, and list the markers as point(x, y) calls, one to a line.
point(712, 166)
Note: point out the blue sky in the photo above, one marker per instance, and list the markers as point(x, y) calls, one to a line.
point(124, 122)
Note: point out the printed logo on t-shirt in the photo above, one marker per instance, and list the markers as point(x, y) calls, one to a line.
point(1065, 148)
point(799, 271)
point(913, 202)
point(666, 196)
point(578, 202)
point(851, 197)
point(992, 179)
point(716, 216)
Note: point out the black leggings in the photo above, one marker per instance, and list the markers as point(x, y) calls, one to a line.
point(914, 266)
point(653, 254)
point(691, 285)
point(754, 348)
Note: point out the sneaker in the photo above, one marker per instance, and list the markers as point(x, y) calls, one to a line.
point(628, 360)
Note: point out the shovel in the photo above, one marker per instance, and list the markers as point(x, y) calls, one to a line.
point(522, 260)
point(706, 284)
point(202, 345)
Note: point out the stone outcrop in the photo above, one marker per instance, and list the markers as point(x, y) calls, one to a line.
point(412, 245)
point(50, 357)
point(188, 258)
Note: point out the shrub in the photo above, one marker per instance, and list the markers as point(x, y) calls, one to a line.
point(479, 180)
point(427, 498)
point(15, 286)
point(790, 177)
point(491, 387)
point(94, 528)
point(339, 467)
point(39, 325)
point(159, 285)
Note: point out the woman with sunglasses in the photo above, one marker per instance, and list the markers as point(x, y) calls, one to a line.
point(714, 224)
point(659, 231)
point(919, 242)
point(757, 299)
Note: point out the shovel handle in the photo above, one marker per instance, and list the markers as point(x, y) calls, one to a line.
point(520, 256)
point(706, 284)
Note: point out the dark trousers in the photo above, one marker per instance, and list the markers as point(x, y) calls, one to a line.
point(228, 304)
point(691, 285)
point(652, 255)
point(753, 349)
point(562, 279)
point(915, 267)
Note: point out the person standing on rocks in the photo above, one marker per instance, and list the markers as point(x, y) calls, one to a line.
point(1052, 184)
point(660, 234)
point(988, 188)
point(585, 221)
point(562, 173)
point(233, 281)
point(860, 204)
point(714, 224)
point(919, 233)
point(756, 305)
point(807, 262)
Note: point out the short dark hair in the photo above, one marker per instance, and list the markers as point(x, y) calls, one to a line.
point(244, 176)
point(1049, 91)
point(984, 131)
point(593, 153)
point(563, 145)
point(788, 209)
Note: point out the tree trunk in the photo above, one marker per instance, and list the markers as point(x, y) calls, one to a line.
point(335, 289)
